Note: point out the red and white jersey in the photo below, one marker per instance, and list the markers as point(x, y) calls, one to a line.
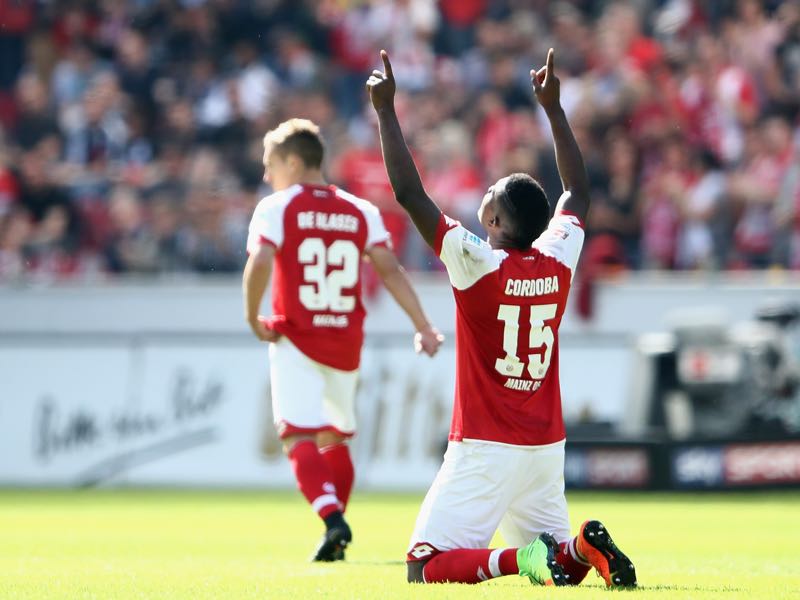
point(509, 305)
point(320, 233)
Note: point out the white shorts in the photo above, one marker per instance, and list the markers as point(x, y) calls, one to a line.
point(481, 487)
point(309, 397)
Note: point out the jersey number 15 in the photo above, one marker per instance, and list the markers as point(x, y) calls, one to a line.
point(541, 339)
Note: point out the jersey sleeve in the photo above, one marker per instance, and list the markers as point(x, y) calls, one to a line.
point(562, 240)
point(266, 226)
point(466, 257)
point(377, 234)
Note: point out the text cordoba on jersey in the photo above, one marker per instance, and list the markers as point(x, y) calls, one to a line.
point(532, 287)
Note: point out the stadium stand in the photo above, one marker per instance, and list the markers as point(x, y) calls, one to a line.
point(130, 136)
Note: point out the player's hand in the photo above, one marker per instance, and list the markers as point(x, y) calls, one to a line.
point(546, 85)
point(262, 331)
point(381, 85)
point(428, 341)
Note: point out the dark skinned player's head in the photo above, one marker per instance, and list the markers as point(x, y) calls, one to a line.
point(515, 211)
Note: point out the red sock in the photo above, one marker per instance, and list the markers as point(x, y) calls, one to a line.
point(471, 566)
point(575, 566)
point(337, 457)
point(314, 477)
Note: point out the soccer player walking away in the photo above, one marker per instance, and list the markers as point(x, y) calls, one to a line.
point(313, 235)
point(504, 465)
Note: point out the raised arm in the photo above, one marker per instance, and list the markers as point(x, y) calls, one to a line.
point(403, 174)
point(568, 156)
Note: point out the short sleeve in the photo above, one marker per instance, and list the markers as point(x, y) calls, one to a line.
point(466, 257)
point(266, 226)
point(377, 234)
point(562, 240)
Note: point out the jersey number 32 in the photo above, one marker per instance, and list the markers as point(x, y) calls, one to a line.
point(328, 271)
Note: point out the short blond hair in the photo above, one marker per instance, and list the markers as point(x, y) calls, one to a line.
point(300, 137)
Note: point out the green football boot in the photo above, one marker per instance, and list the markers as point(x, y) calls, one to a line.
point(537, 561)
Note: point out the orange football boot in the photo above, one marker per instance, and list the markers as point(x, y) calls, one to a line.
point(596, 545)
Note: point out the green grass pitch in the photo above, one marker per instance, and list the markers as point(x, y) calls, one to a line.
point(193, 545)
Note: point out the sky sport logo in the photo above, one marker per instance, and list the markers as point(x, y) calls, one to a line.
point(698, 466)
point(737, 465)
point(762, 463)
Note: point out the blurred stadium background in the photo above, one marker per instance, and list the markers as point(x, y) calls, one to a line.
point(130, 149)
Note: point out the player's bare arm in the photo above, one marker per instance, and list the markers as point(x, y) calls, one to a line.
point(403, 174)
point(256, 276)
point(427, 338)
point(571, 169)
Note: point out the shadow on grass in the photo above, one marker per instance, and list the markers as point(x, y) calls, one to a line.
point(683, 588)
point(376, 563)
point(633, 590)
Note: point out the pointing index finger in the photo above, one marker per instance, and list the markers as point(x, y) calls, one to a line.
point(549, 72)
point(387, 66)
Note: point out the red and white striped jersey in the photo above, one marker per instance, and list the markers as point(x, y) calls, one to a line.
point(320, 233)
point(509, 305)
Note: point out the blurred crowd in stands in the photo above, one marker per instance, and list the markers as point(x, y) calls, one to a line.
point(131, 131)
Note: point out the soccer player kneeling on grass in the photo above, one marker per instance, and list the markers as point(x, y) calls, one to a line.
point(504, 465)
point(314, 236)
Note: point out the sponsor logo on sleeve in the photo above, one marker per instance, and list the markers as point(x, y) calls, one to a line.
point(470, 239)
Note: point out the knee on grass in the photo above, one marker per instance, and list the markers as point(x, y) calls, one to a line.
point(415, 571)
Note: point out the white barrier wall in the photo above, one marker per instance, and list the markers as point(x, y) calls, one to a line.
point(195, 411)
point(161, 384)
